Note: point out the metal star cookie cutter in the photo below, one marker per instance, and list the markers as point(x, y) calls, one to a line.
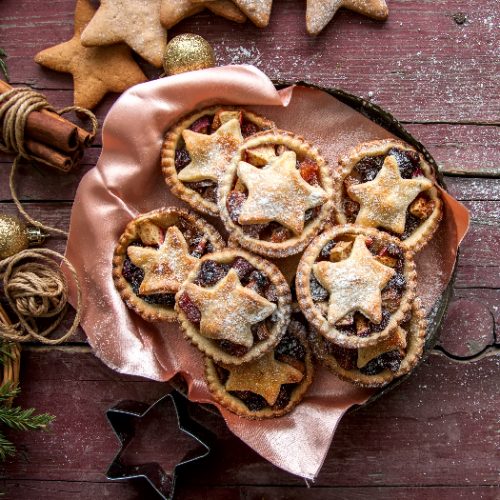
point(121, 417)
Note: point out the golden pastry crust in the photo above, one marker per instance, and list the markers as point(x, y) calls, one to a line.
point(415, 338)
point(424, 232)
point(236, 405)
point(295, 243)
point(315, 313)
point(281, 314)
point(163, 218)
point(171, 142)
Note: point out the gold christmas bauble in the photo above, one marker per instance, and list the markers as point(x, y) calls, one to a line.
point(187, 52)
point(16, 236)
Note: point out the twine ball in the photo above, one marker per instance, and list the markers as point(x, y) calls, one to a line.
point(187, 52)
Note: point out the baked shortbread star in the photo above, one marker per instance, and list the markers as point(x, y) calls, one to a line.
point(228, 310)
point(385, 200)
point(134, 22)
point(97, 70)
point(263, 376)
point(320, 12)
point(355, 283)
point(174, 11)
point(210, 154)
point(277, 192)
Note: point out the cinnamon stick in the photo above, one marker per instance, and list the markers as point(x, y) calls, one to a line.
point(51, 129)
point(52, 156)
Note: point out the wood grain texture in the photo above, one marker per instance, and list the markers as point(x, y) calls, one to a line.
point(444, 408)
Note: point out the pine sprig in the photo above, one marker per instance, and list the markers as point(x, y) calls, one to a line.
point(23, 420)
point(8, 391)
point(7, 448)
point(3, 66)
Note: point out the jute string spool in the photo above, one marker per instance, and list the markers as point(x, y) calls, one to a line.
point(33, 284)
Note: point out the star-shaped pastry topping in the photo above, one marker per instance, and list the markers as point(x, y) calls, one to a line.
point(165, 268)
point(173, 11)
point(135, 22)
point(277, 192)
point(96, 71)
point(354, 283)
point(385, 199)
point(210, 154)
point(228, 310)
point(264, 376)
point(320, 12)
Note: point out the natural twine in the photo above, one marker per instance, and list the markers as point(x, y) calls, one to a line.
point(15, 106)
point(33, 283)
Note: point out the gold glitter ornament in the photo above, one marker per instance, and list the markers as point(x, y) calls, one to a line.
point(187, 52)
point(16, 236)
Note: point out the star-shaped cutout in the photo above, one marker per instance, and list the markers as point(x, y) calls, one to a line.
point(96, 71)
point(277, 192)
point(228, 310)
point(173, 11)
point(126, 418)
point(355, 283)
point(165, 268)
point(320, 12)
point(385, 199)
point(135, 22)
point(210, 154)
point(264, 376)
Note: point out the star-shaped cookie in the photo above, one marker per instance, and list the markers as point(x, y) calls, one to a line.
point(228, 310)
point(96, 71)
point(210, 154)
point(385, 199)
point(277, 192)
point(320, 12)
point(165, 268)
point(173, 11)
point(355, 283)
point(258, 11)
point(135, 22)
point(263, 376)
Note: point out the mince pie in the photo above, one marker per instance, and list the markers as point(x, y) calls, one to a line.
point(154, 256)
point(234, 306)
point(276, 195)
point(377, 365)
point(355, 284)
point(386, 184)
point(269, 386)
point(198, 149)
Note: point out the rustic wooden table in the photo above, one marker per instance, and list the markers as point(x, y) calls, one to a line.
point(437, 434)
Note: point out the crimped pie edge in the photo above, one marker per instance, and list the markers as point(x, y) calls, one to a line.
point(178, 188)
point(154, 312)
point(293, 245)
point(312, 312)
point(206, 345)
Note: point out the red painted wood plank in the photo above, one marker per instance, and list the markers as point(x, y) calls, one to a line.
point(420, 64)
point(444, 409)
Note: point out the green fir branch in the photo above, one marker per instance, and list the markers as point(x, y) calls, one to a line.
point(3, 65)
point(8, 391)
point(7, 448)
point(23, 420)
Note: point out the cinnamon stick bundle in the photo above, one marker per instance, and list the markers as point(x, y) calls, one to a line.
point(53, 138)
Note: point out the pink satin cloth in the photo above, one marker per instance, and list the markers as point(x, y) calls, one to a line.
point(127, 181)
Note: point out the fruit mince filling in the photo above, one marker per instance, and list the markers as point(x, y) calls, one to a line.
point(409, 167)
point(290, 350)
point(271, 231)
point(388, 254)
point(198, 246)
point(207, 125)
point(211, 272)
